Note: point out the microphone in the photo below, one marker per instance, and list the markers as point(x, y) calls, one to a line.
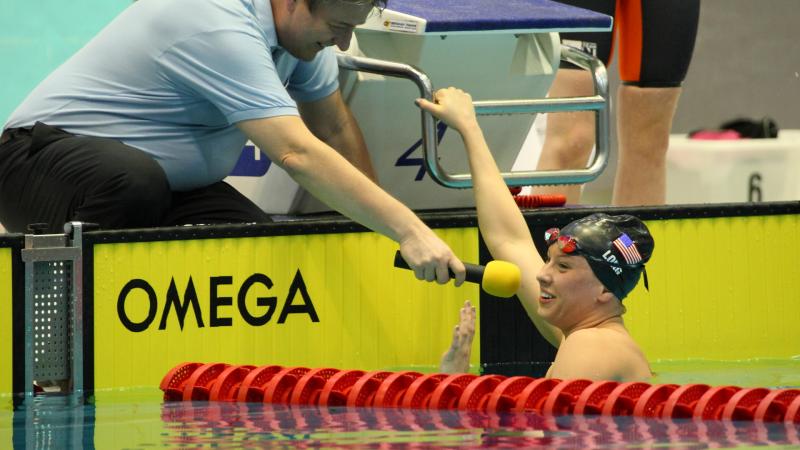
point(498, 278)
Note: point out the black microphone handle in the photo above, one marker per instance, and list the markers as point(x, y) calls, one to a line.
point(474, 271)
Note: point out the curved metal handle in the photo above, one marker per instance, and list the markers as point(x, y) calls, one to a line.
point(597, 103)
point(423, 82)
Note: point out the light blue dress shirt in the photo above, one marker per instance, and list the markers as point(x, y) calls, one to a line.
point(172, 77)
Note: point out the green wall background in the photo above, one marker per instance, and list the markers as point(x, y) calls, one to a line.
point(36, 36)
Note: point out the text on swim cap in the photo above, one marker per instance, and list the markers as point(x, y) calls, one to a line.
point(608, 256)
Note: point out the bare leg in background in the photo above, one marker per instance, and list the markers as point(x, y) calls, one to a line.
point(644, 121)
point(570, 136)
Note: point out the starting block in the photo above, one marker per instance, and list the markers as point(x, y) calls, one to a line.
point(509, 53)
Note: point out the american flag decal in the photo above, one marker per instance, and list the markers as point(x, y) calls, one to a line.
point(628, 249)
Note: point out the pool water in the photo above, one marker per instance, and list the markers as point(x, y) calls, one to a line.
point(141, 420)
point(770, 373)
point(138, 418)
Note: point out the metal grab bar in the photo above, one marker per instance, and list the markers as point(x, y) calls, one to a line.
point(423, 82)
point(597, 103)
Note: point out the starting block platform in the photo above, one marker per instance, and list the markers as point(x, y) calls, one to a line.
point(470, 16)
point(506, 57)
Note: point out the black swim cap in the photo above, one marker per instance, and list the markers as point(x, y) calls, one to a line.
point(616, 248)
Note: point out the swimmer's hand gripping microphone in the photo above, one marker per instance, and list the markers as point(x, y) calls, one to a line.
point(498, 278)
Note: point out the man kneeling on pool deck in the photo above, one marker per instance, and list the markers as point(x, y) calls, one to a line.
point(574, 296)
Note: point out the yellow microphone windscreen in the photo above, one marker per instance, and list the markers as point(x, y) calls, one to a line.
point(501, 278)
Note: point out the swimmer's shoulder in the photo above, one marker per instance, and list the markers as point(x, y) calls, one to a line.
point(606, 354)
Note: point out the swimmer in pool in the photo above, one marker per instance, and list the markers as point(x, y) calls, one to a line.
point(574, 294)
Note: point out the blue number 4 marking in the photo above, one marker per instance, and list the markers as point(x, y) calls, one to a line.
point(252, 163)
point(405, 160)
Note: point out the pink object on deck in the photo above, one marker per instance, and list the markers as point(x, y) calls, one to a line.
point(715, 135)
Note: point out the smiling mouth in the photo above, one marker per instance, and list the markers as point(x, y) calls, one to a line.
point(546, 298)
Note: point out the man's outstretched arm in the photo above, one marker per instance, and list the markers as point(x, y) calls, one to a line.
point(329, 177)
point(333, 123)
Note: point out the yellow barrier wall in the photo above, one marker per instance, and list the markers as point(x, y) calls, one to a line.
point(720, 289)
point(371, 315)
point(6, 414)
point(6, 350)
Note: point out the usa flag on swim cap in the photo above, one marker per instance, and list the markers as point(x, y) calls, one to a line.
point(628, 249)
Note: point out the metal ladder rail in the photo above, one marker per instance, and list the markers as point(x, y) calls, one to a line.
point(597, 103)
point(54, 286)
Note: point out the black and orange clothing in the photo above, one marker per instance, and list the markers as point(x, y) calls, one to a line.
point(655, 38)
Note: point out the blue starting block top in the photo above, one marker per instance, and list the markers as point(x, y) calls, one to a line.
point(492, 16)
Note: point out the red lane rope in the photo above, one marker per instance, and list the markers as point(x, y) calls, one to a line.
point(537, 201)
point(487, 393)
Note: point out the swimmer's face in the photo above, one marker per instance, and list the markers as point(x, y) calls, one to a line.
point(568, 290)
point(304, 33)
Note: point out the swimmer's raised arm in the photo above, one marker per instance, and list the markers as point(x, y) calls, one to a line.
point(503, 228)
